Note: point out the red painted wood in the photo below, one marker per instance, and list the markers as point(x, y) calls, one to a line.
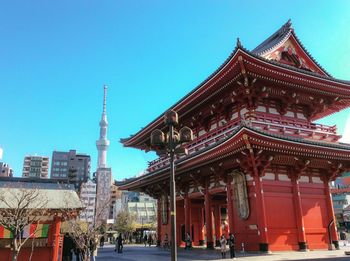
point(187, 210)
point(217, 222)
point(229, 205)
point(159, 222)
point(330, 211)
point(208, 218)
point(298, 211)
point(261, 212)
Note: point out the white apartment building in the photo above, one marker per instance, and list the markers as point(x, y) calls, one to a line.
point(35, 167)
point(88, 199)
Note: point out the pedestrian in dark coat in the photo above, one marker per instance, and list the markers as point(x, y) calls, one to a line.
point(120, 243)
point(188, 242)
point(145, 239)
point(231, 244)
point(102, 241)
point(68, 246)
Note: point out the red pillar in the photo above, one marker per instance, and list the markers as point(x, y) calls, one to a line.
point(159, 222)
point(188, 217)
point(229, 204)
point(56, 238)
point(217, 225)
point(201, 227)
point(299, 215)
point(208, 219)
point(261, 214)
point(330, 211)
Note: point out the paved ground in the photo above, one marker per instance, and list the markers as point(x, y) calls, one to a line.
point(141, 253)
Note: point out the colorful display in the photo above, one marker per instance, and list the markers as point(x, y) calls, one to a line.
point(32, 231)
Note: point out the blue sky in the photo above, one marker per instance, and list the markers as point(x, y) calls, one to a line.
point(55, 57)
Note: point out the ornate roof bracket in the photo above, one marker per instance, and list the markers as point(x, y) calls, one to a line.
point(300, 166)
point(217, 172)
point(199, 183)
point(252, 170)
point(247, 91)
point(243, 71)
point(336, 170)
point(152, 192)
point(182, 187)
point(263, 162)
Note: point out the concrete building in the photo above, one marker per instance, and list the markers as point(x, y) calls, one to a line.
point(103, 173)
point(104, 186)
point(145, 212)
point(71, 167)
point(5, 170)
point(115, 201)
point(341, 205)
point(35, 166)
point(88, 199)
point(139, 204)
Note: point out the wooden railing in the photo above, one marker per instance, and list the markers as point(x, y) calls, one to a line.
point(270, 123)
point(292, 127)
point(199, 143)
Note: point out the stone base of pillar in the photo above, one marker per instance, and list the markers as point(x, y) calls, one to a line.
point(264, 247)
point(217, 243)
point(303, 246)
point(336, 244)
point(210, 245)
point(201, 242)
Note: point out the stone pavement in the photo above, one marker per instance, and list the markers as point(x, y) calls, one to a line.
point(142, 253)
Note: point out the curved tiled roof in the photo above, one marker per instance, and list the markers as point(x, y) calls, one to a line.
point(289, 67)
point(279, 37)
point(340, 146)
point(276, 38)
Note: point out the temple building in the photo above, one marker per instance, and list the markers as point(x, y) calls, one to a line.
point(43, 206)
point(259, 166)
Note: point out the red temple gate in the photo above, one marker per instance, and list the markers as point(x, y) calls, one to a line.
point(258, 166)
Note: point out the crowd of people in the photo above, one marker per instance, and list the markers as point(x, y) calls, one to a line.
point(70, 247)
point(225, 244)
point(231, 244)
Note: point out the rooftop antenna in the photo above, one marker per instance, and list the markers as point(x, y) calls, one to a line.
point(104, 98)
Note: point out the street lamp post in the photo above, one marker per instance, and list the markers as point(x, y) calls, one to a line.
point(169, 145)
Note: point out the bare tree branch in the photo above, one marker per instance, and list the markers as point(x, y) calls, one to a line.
point(20, 207)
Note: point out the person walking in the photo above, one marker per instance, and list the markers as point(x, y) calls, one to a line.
point(166, 241)
point(93, 248)
point(68, 246)
point(120, 243)
point(188, 243)
point(77, 252)
point(145, 239)
point(231, 244)
point(223, 242)
point(116, 245)
point(102, 241)
point(150, 239)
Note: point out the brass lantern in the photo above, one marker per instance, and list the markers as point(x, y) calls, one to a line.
point(186, 134)
point(171, 118)
point(157, 138)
